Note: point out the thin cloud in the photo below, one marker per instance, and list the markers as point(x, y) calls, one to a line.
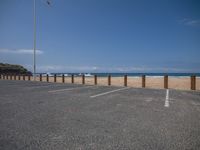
point(93, 69)
point(190, 22)
point(63, 68)
point(20, 51)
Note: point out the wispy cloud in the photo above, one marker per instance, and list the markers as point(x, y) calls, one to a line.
point(20, 51)
point(144, 69)
point(93, 69)
point(190, 22)
point(65, 68)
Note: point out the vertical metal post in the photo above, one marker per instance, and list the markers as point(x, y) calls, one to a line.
point(95, 79)
point(0, 76)
point(72, 78)
point(143, 81)
point(166, 81)
point(109, 79)
point(125, 80)
point(193, 82)
point(83, 79)
point(34, 40)
point(63, 78)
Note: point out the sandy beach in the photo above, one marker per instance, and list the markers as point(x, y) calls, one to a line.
point(181, 83)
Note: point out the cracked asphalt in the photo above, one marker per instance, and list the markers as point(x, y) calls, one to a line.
point(32, 117)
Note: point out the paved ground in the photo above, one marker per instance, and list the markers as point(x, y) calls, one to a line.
point(50, 116)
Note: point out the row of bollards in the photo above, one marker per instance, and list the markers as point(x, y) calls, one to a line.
point(11, 77)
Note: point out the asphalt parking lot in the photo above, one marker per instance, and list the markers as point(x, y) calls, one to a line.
point(55, 116)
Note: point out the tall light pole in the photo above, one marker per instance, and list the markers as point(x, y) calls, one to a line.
point(34, 40)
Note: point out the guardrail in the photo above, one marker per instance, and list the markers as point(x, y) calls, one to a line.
point(109, 79)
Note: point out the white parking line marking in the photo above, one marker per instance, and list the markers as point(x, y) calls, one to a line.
point(167, 98)
point(38, 86)
point(101, 94)
point(69, 89)
point(41, 86)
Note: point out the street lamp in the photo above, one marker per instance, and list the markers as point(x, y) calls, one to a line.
point(34, 41)
point(34, 36)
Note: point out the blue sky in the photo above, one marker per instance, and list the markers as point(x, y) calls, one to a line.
point(102, 35)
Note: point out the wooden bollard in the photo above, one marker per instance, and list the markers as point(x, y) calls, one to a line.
point(54, 77)
point(63, 78)
point(109, 79)
point(72, 78)
point(40, 77)
point(95, 79)
point(19, 77)
point(0, 76)
point(15, 77)
point(23, 77)
point(143, 81)
point(29, 77)
point(7, 77)
point(11, 77)
point(166, 81)
point(4, 77)
point(125, 80)
point(83, 79)
point(47, 78)
point(193, 82)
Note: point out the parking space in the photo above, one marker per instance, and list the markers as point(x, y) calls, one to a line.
point(39, 115)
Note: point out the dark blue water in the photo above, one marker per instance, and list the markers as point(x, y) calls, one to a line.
point(133, 74)
point(147, 74)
